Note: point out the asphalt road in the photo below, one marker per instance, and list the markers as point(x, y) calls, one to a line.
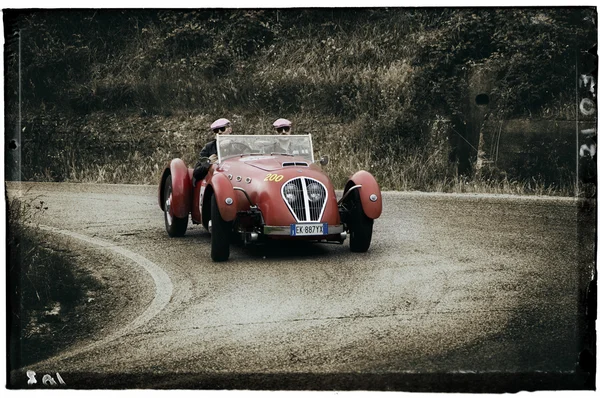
point(457, 293)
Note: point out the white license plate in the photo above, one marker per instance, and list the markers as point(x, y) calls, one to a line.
point(308, 229)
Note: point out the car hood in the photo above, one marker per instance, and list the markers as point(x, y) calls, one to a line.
point(262, 177)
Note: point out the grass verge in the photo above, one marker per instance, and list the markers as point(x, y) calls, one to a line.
point(48, 294)
point(127, 148)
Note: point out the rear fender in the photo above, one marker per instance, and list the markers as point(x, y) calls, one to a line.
point(181, 203)
point(223, 190)
point(369, 187)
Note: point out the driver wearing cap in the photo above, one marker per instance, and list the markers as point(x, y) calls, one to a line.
point(283, 127)
point(219, 126)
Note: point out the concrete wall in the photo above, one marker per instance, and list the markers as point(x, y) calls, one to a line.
point(530, 147)
point(526, 147)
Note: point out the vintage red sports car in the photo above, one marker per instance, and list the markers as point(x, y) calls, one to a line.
point(268, 187)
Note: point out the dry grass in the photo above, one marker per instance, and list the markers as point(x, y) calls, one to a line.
point(45, 287)
point(354, 88)
point(135, 150)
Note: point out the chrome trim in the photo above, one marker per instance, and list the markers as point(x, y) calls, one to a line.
point(285, 230)
point(218, 148)
point(321, 202)
point(347, 192)
point(292, 206)
point(245, 193)
point(305, 198)
point(222, 158)
point(168, 209)
point(295, 207)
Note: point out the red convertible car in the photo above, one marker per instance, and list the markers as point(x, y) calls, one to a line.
point(268, 187)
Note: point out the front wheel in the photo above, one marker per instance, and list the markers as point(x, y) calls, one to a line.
point(220, 233)
point(175, 226)
point(361, 226)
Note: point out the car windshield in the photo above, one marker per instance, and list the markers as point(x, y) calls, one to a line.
point(293, 145)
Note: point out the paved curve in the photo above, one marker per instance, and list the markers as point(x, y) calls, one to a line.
point(454, 286)
point(163, 289)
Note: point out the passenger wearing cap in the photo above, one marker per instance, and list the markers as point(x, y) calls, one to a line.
point(283, 127)
point(219, 126)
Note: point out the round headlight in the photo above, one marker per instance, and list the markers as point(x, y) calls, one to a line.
point(314, 191)
point(290, 191)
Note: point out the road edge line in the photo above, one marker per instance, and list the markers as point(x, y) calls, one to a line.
point(163, 290)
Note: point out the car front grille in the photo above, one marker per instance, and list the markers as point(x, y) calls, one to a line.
point(308, 200)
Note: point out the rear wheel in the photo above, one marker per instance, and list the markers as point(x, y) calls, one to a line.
point(220, 233)
point(175, 226)
point(361, 226)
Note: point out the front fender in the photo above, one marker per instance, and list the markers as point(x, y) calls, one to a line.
point(370, 187)
point(181, 203)
point(223, 190)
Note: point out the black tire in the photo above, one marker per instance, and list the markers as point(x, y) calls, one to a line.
point(175, 226)
point(220, 233)
point(361, 226)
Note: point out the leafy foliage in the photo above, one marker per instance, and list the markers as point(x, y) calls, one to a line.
point(385, 73)
point(533, 50)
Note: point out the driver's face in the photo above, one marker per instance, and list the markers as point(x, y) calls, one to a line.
point(287, 130)
point(223, 130)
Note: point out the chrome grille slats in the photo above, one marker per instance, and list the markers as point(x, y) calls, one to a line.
point(316, 207)
point(298, 204)
point(302, 208)
point(305, 198)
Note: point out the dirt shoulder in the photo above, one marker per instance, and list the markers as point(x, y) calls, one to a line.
point(107, 290)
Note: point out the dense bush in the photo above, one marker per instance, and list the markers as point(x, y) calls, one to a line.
point(533, 50)
point(385, 73)
point(45, 288)
point(352, 61)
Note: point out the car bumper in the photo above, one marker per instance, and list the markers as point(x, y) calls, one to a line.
point(286, 230)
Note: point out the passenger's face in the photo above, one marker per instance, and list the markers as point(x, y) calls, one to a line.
point(223, 130)
point(287, 130)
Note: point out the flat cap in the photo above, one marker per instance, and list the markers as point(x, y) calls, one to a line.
point(217, 124)
point(282, 123)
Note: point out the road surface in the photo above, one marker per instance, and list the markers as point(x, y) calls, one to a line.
point(457, 293)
